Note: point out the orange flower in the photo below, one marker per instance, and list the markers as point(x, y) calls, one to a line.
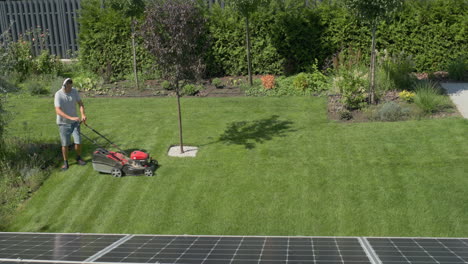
point(268, 81)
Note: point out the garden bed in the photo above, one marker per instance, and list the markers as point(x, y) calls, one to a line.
point(229, 86)
point(336, 110)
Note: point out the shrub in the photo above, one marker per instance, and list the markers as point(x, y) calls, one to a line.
point(345, 115)
point(352, 84)
point(407, 96)
point(457, 69)
point(391, 111)
point(166, 85)
point(36, 88)
point(217, 83)
point(191, 89)
point(88, 81)
point(20, 58)
point(301, 82)
point(429, 97)
point(268, 81)
point(46, 63)
point(308, 83)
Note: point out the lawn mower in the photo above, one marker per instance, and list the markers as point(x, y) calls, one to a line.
point(118, 163)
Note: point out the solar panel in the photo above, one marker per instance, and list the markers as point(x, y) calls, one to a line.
point(45, 248)
point(245, 250)
point(56, 247)
point(420, 250)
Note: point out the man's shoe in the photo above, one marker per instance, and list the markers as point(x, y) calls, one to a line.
point(81, 162)
point(64, 167)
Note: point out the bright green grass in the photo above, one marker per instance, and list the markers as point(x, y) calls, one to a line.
point(294, 174)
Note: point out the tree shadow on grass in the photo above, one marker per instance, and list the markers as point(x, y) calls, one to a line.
point(249, 133)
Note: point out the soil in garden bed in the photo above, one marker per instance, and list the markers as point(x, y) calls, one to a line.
point(230, 87)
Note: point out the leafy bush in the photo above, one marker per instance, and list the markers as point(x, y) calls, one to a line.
point(407, 96)
point(46, 63)
point(217, 82)
point(87, 81)
point(36, 87)
point(20, 58)
point(458, 68)
point(429, 97)
point(345, 115)
point(352, 84)
point(301, 82)
point(191, 89)
point(166, 85)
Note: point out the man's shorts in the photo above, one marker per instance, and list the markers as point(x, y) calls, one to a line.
point(66, 130)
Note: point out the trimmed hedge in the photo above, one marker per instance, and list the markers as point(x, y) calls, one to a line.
point(105, 42)
point(288, 38)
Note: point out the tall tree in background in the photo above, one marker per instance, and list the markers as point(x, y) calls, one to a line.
point(245, 9)
point(373, 12)
point(132, 9)
point(174, 32)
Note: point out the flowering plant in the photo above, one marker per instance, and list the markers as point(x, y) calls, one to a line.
point(268, 81)
point(407, 96)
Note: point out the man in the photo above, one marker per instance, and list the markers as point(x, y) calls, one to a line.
point(68, 121)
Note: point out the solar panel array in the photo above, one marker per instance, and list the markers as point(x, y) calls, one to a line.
point(107, 248)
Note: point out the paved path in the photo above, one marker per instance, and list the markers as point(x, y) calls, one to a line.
point(458, 92)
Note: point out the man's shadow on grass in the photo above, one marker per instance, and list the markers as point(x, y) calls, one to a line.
point(249, 133)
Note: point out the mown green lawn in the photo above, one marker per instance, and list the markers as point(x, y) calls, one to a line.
point(266, 166)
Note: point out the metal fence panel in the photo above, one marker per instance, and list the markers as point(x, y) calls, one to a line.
point(57, 19)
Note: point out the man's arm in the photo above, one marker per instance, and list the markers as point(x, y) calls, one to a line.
point(82, 111)
point(59, 112)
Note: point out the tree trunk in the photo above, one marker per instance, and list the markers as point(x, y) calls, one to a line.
point(134, 55)
point(248, 50)
point(180, 118)
point(372, 68)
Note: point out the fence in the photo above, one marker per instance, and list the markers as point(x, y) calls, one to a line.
point(56, 18)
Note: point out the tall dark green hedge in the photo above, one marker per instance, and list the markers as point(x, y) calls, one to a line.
point(434, 32)
point(287, 37)
point(105, 41)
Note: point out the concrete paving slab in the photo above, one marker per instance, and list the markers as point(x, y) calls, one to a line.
point(189, 151)
point(458, 92)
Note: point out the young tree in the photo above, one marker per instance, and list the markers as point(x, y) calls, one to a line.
point(174, 32)
point(372, 12)
point(245, 9)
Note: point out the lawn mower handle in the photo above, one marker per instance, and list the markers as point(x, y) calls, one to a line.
point(112, 143)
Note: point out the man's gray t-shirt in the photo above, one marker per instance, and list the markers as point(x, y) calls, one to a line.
point(67, 102)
